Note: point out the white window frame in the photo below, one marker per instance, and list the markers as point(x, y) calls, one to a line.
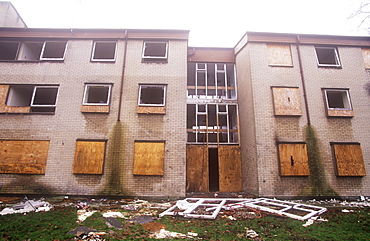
point(154, 57)
point(87, 86)
point(106, 60)
point(348, 98)
point(153, 85)
point(34, 94)
point(338, 64)
point(43, 49)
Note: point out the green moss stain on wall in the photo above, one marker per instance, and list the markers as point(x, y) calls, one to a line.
point(115, 157)
point(318, 184)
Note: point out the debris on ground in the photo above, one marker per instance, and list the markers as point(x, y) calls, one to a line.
point(83, 214)
point(313, 220)
point(27, 206)
point(251, 233)
point(161, 234)
point(86, 233)
point(208, 208)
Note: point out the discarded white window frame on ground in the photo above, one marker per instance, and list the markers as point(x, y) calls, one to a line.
point(188, 208)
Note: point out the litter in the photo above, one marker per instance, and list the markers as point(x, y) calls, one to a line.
point(209, 208)
point(161, 234)
point(28, 206)
point(251, 233)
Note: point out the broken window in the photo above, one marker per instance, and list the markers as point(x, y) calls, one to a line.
point(23, 157)
point(104, 51)
point(212, 123)
point(39, 50)
point(155, 51)
point(8, 50)
point(96, 94)
point(338, 102)
point(279, 55)
point(327, 56)
point(89, 157)
point(211, 81)
point(149, 158)
point(152, 95)
point(287, 101)
point(293, 159)
point(39, 98)
point(348, 159)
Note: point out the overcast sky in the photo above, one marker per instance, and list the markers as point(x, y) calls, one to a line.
point(212, 23)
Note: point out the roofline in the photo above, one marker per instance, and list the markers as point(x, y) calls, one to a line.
point(91, 33)
point(20, 17)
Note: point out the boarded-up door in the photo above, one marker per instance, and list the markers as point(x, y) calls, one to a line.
point(197, 179)
point(230, 172)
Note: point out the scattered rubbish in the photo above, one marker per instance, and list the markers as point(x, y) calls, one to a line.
point(161, 234)
point(110, 214)
point(113, 223)
point(83, 214)
point(86, 233)
point(28, 206)
point(142, 219)
point(251, 233)
point(347, 211)
point(82, 205)
point(314, 219)
point(209, 208)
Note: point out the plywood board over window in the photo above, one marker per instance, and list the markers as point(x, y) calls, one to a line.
point(349, 160)
point(293, 159)
point(197, 174)
point(149, 158)
point(230, 169)
point(89, 157)
point(366, 55)
point(23, 157)
point(279, 55)
point(287, 101)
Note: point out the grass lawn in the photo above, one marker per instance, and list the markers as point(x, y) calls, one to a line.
point(55, 224)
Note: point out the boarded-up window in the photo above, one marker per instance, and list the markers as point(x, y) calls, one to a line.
point(230, 169)
point(287, 101)
point(366, 55)
point(149, 158)
point(349, 160)
point(89, 157)
point(293, 159)
point(279, 55)
point(26, 157)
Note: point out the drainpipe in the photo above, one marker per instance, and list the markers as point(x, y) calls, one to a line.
point(122, 79)
point(303, 81)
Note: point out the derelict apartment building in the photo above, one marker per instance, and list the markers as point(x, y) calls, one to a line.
point(139, 113)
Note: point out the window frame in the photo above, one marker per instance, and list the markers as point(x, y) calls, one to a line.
point(43, 87)
point(53, 41)
point(336, 55)
point(87, 86)
point(103, 60)
point(346, 91)
point(164, 86)
point(147, 57)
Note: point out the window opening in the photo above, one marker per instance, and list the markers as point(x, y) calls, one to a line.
point(104, 51)
point(155, 50)
point(8, 50)
point(152, 95)
point(327, 56)
point(53, 50)
point(338, 99)
point(97, 94)
point(211, 81)
point(30, 51)
point(39, 98)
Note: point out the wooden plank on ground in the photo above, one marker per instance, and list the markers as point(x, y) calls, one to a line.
point(89, 157)
point(197, 173)
point(230, 169)
point(349, 160)
point(293, 159)
point(28, 157)
point(149, 158)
